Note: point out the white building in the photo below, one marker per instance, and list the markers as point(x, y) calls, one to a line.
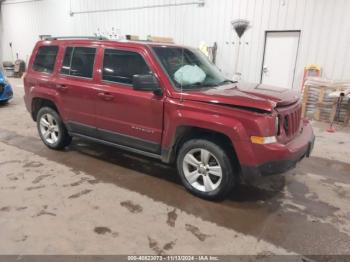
point(309, 31)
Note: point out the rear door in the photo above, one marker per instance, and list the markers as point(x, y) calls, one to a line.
point(126, 116)
point(76, 83)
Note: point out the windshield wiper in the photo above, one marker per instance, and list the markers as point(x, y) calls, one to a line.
point(226, 81)
point(198, 84)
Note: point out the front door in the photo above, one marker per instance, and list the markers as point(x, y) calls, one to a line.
point(125, 116)
point(281, 51)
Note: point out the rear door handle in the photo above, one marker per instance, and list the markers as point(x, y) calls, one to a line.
point(106, 96)
point(61, 87)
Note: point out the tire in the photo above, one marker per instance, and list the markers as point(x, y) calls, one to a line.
point(51, 129)
point(4, 102)
point(208, 157)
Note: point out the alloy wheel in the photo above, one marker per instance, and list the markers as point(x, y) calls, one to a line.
point(202, 170)
point(49, 129)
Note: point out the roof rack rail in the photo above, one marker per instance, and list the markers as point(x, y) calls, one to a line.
point(75, 37)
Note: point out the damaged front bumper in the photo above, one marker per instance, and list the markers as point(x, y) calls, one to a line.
point(284, 157)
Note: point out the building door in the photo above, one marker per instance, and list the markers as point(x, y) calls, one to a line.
point(280, 56)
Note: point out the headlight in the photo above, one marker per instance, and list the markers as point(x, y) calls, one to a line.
point(263, 140)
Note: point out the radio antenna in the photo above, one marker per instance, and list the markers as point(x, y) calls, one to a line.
point(182, 55)
point(182, 64)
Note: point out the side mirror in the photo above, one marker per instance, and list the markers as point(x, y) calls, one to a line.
point(146, 83)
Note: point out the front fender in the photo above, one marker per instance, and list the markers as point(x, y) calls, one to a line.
point(195, 115)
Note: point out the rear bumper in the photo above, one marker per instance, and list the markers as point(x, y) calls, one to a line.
point(284, 157)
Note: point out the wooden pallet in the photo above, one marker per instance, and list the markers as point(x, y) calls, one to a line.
point(317, 105)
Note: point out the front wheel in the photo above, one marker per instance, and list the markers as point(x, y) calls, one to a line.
point(51, 129)
point(206, 169)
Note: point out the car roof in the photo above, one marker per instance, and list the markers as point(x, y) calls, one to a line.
point(123, 43)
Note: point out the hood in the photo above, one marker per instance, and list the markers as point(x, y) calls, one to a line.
point(249, 95)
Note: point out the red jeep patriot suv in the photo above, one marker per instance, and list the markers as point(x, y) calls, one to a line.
point(167, 102)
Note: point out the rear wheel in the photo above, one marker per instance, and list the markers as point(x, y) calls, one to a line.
point(51, 129)
point(206, 169)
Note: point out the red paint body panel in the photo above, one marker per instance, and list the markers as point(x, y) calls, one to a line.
point(245, 95)
point(236, 110)
point(279, 151)
point(128, 111)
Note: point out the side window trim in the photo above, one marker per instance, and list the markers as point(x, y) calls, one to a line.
point(71, 59)
point(116, 83)
point(127, 85)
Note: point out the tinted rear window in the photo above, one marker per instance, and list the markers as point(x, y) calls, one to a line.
point(79, 61)
point(45, 59)
point(66, 61)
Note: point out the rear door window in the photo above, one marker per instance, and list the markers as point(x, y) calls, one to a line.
point(66, 61)
point(120, 66)
point(79, 61)
point(45, 59)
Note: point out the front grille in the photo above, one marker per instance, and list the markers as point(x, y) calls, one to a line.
point(2, 87)
point(291, 122)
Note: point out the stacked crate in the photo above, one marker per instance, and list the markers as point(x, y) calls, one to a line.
point(320, 106)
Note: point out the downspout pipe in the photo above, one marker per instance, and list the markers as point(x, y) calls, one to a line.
point(13, 2)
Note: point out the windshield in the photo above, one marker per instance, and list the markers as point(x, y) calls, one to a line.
point(189, 68)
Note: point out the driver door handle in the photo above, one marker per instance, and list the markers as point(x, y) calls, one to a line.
point(105, 96)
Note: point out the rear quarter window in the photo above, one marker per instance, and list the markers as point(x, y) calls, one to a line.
point(45, 59)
